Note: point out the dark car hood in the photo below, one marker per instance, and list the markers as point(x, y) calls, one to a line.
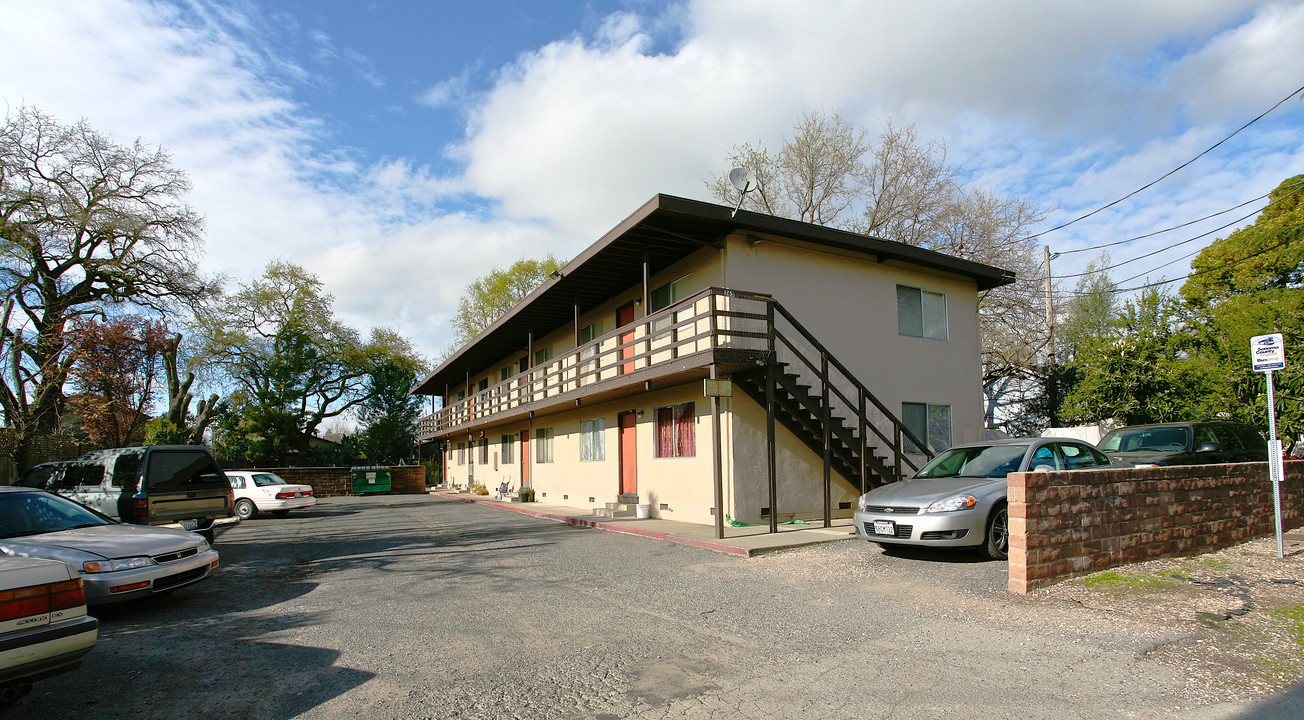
point(1146, 457)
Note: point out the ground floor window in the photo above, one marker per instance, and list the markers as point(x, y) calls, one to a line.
point(593, 444)
point(677, 430)
point(930, 423)
point(543, 445)
point(461, 453)
point(508, 448)
point(484, 451)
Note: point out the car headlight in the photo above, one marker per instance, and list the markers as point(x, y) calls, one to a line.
point(951, 504)
point(100, 566)
point(862, 503)
point(203, 545)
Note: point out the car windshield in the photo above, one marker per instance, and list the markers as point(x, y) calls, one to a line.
point(1161, 439)
point(265, 479)
point(975, 461)
point(32, 513)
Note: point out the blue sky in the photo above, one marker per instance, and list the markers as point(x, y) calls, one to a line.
point(400, 149)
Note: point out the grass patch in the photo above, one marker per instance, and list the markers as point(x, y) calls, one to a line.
point(1117, 583)
point(1292, 616)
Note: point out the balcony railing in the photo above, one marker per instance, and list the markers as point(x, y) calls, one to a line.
point(712, 320)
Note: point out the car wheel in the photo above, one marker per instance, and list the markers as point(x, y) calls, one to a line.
point(997, 546)
point(245, 509)
point(280, 513)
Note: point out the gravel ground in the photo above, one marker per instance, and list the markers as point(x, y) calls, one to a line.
point(417, 607)
point(1231, 621)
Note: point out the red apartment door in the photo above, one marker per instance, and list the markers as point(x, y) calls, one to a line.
point(628, 456)
point(625, 316)
point(525, 458)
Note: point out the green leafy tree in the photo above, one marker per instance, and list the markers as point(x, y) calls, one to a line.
point(1139, 371)
point(1248, 284)
point(292, 364)
point(83, 222)
point(488, 297)
point(389, 414)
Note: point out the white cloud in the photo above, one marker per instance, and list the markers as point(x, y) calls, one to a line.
point(1069, 104)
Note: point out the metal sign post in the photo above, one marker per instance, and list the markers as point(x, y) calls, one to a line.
point(1268, 354)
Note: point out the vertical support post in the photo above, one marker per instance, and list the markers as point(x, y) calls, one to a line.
point(826, 420)
point(647, 310)
point(863, 421)
point(1052, 390)
point(577, 343)
point(1275, 467)
point(771, 368)
point(717, 469)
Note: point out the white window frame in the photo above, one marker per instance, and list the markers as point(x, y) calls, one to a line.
point(928, 306)
point(543, 445)
point(938, 431)
point(508, 448)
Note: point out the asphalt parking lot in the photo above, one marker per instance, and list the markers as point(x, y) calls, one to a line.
point(421, 607)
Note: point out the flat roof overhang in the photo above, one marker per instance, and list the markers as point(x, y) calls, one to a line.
point(665, 230)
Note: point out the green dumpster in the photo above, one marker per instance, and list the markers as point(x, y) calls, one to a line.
point(370, 479)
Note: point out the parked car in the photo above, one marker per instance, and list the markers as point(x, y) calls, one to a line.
point(178, 485)
point(44, 628)
point(117, 561)
point(1186, 443)
point(257, 491)
point(959, 498)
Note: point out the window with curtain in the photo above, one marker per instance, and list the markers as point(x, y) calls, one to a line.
point(484, 451)
point(676, 429)
point(921, 313)
point(543, 445)
point(667, 295)
point(461, 453)
point(508, 448)
point(593, 444)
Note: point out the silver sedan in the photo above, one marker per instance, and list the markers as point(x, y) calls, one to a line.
point(959, 498)
point(117, 561)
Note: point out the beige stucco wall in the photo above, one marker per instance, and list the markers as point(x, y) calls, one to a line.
point(799, 472)
point(849, 304)
point(682, 484)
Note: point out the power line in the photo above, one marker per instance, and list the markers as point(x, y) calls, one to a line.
point(1170, 172)
point(1295, 185)
point(1224, 266)
point(1165, 248)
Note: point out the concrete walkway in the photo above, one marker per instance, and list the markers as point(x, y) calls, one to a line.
point(743, 541)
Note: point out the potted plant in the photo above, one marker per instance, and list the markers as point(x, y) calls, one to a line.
point(526, 494)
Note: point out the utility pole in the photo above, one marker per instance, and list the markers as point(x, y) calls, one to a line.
point(1052, 391)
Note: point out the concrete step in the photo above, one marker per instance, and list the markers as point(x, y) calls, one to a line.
point(616, 510)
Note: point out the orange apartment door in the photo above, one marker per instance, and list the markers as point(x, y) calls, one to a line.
point(628, 458)
point(625, 316)
point(525, 458)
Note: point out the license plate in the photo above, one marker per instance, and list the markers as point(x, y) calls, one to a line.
point(884, 527)
point(189, 524)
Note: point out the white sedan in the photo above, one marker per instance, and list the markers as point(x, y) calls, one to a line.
point(44, 628)
point(257, 491)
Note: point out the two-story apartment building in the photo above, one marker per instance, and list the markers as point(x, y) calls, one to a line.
point(713, 366)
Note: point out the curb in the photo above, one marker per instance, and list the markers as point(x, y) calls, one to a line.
point(612, 527)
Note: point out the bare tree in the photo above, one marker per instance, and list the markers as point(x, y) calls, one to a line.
point(902, 188)
point(83, 222)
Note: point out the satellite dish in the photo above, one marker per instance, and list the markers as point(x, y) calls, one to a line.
point(744, 181)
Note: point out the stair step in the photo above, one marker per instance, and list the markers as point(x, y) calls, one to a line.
point(616, 510)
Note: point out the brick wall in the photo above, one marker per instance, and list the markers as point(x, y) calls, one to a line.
point(1064, 524)
point(334, 481)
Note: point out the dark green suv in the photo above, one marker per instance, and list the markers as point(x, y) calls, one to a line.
point(1186, 443)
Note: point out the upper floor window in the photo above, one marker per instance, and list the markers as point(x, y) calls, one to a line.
point(671, 293)
point(504, 374)
point(542, 355)
point(921, 313)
